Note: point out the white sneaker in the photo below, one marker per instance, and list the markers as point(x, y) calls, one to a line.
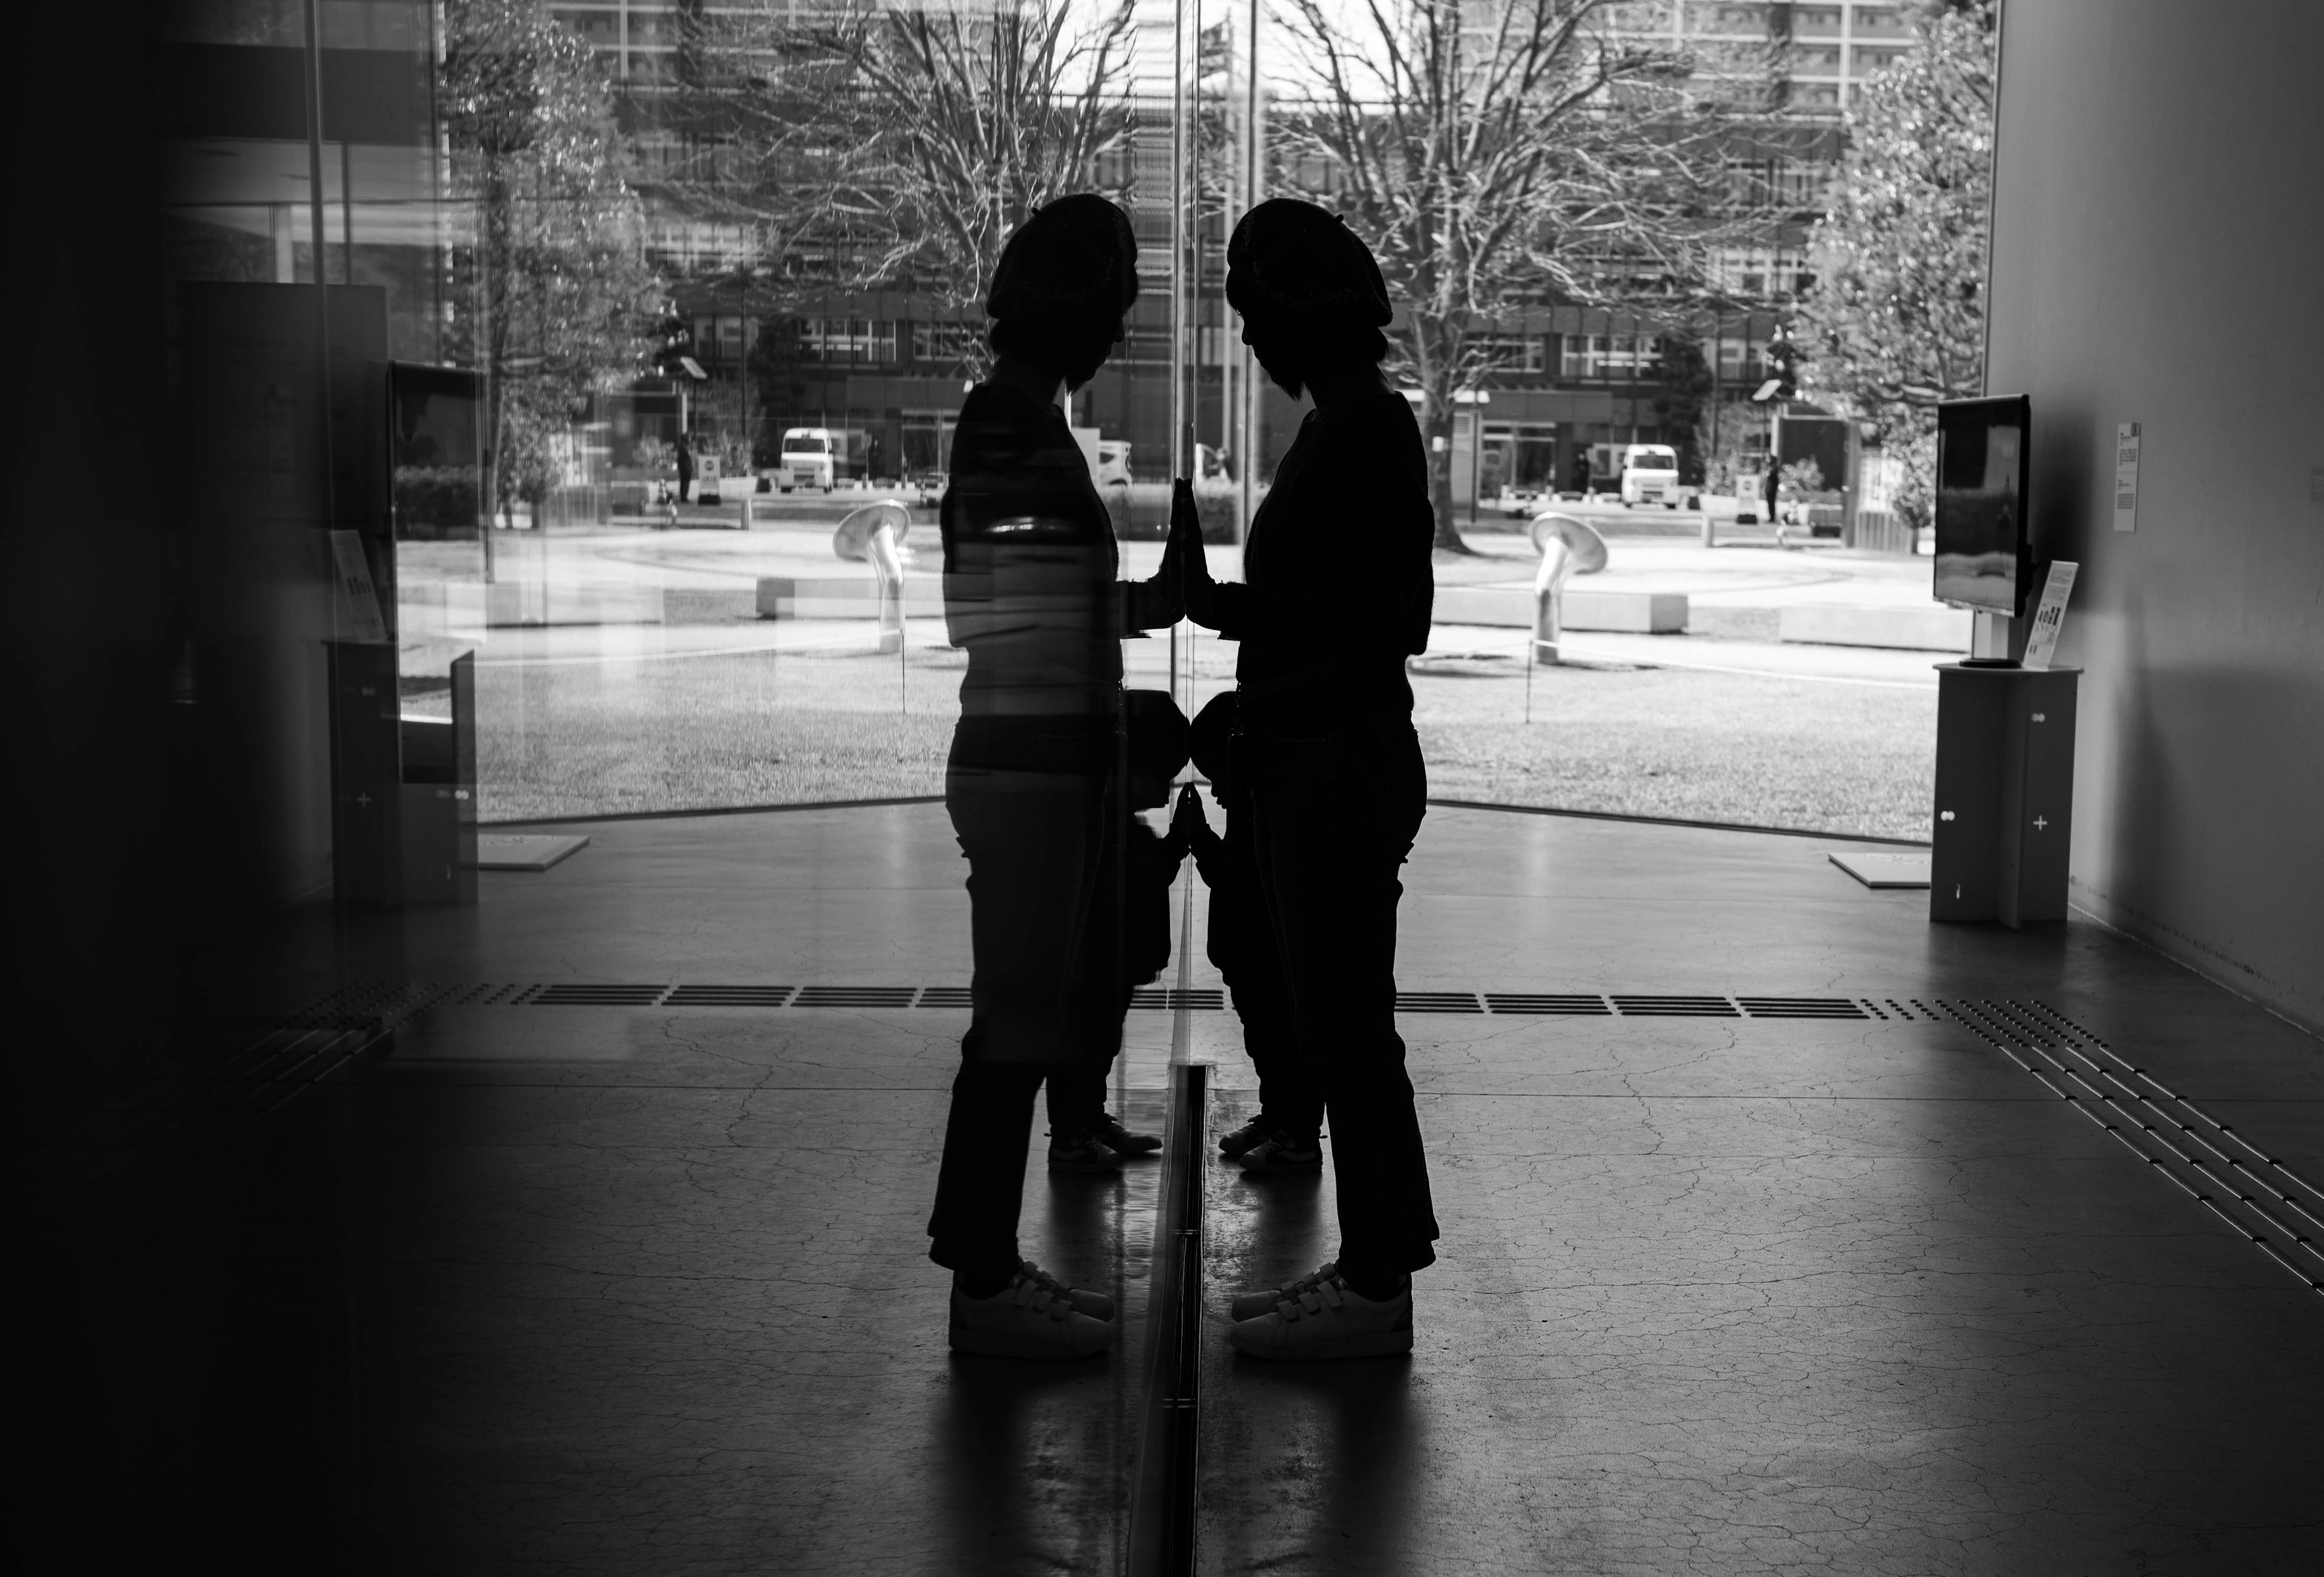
point(1095, 1304)
point(1328, 1319)
point(1033, 1317)
point(1250, 1306)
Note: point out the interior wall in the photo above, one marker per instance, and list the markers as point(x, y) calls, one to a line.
point(2158, 257)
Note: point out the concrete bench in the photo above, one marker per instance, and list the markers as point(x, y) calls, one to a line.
point(834, 596)
point(1616, 611)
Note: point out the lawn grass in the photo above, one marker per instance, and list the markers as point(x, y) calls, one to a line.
point(1681, 742)
point(763, 729)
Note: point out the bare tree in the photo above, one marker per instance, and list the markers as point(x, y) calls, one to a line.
point(1897, 316)
point(1497, 156)
point(559, 296)
point(902, 146)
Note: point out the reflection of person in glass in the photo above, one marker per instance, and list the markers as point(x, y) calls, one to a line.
point(1034, 784)
point(1335, 595)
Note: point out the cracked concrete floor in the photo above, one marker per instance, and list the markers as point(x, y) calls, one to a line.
point(643, 1289)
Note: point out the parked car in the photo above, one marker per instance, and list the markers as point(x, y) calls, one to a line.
point(1649, 475)
point(824, 456)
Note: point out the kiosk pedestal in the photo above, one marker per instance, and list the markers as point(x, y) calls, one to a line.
point(2005, 793)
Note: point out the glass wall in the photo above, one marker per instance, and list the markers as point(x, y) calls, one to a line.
point(681, 256)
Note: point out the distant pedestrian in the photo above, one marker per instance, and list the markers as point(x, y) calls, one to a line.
point(1336, 596)
point(685, 468)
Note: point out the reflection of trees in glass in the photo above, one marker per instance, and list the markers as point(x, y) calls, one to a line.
point(1897, 316)
point(1681, 398)
point(899, 147)
point(778, 371)
point(1496, 158)
point(555, 299)
point(1736, 451)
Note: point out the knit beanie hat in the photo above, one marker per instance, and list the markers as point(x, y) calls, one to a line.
point(1293, 259)
point(1074, 258)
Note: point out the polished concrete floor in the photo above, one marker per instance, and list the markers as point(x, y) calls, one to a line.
point(642, 1287)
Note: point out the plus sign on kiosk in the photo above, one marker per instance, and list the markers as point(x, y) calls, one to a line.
point(2003, 811)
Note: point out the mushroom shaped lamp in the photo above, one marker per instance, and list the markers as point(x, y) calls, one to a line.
point(873, 534)
point(1568, 547)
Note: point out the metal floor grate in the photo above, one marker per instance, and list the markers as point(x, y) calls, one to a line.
point(1148, 999)
point(1638, 1007)
point(1799, 1008)
point(1535, 1002)
point(596, 996)
point(855, 996)
point(1438, 1003)
point(729, 996)
point(1199, 1000)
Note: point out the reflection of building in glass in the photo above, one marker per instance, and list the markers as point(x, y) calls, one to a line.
point(1565, 377)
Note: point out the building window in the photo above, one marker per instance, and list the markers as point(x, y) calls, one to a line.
point(947, 344)
point(1609, 356)
point(1711, 17)
point(602, 28)
point(848, 341)
point(1511, 353)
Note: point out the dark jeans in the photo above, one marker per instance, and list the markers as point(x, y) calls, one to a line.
point(1047, 996)
point(1335, 809)
point(981, 1186)
point(1242, 946)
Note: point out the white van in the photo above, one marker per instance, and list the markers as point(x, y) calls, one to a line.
point(822, 456)
point(1649, 475)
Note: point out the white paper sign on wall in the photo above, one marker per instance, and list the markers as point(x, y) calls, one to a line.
point(2125, 476)
point(2042, 639)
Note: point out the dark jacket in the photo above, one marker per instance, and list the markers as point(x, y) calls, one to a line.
point(1030, 566)
point(1337, 586)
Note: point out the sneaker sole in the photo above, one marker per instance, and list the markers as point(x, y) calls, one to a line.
point(1371, 1344)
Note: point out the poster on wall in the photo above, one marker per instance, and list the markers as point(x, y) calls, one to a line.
point(2125, 476)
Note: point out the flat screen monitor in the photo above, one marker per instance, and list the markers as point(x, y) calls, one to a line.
point(1983, 557)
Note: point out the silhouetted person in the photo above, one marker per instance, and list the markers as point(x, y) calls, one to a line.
point(1240, 942)
point(1772, 485)
point(1036, 782)
point(685, 468)
point(1336, 593)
